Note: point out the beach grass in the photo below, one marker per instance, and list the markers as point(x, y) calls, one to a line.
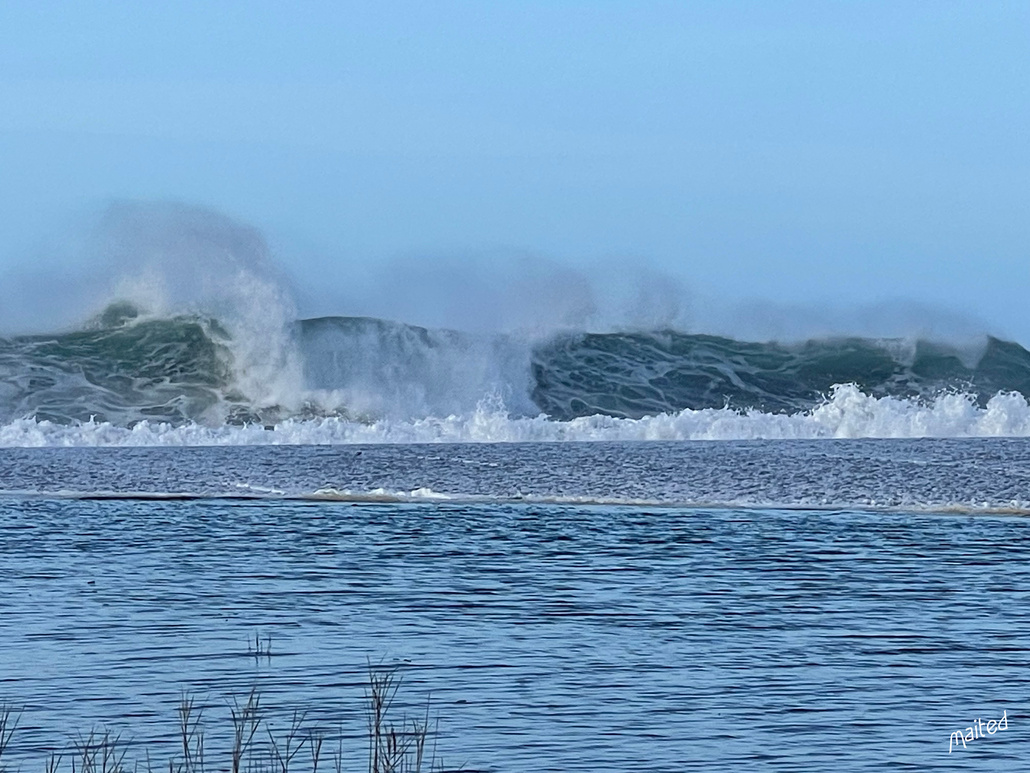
point(395, 745)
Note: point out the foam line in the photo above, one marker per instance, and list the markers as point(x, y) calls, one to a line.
point(848, 413)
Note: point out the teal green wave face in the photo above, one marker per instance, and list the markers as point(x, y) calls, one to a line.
point(125, 367)
point(640, 374)
point(118, 370)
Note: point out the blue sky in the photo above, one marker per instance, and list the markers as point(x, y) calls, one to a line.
point(789, 158)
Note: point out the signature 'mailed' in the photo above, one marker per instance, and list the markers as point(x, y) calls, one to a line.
point(978, 730)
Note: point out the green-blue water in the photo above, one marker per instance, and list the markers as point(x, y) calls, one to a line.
point(125, 368)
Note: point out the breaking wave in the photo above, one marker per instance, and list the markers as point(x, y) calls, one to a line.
point(128, 378)
point(204, 346)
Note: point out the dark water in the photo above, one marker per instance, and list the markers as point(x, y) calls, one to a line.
point(641, 374)
point(125, 367)
point(551, 637)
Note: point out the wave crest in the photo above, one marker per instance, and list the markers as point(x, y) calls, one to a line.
point(193, 378)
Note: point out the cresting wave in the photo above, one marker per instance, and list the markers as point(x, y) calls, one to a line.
point(203, 346)
point(129, 378)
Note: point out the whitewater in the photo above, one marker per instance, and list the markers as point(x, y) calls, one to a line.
point(175, 382)
point(847, 414)
point(194, 338)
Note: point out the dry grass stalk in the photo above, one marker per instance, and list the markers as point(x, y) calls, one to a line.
point(283, 755)
point(191, 735)
point(53, 762)
point(8, 724)
point(260, 649)
point(315, 739)
point(245, 722)
point(394, 747)
point(99, 753)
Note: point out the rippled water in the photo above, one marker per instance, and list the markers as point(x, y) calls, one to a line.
point(980, 474)
point(557, 637)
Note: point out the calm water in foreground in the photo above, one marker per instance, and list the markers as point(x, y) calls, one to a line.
point(550, 636)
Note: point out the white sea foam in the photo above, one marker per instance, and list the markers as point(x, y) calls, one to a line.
point(848, 413)
point(423, 494)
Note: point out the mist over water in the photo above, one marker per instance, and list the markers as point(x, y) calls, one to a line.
point(188, 332)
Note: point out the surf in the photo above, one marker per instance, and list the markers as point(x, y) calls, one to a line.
point(193, 336)
point(129, 378)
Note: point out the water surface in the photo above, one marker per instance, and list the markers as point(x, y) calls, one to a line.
point(551, 637)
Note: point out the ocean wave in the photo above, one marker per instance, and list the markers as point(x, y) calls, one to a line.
point(638, 374)
point(847, 413)
point(128, 374)
point(201, 343)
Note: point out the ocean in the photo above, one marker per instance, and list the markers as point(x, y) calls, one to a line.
point(576, 552)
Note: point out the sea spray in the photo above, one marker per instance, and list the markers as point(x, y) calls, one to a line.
point(382, 369)
point(200, 338)
point(175, 260)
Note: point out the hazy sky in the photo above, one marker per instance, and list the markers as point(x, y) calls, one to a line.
point(802, 155)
